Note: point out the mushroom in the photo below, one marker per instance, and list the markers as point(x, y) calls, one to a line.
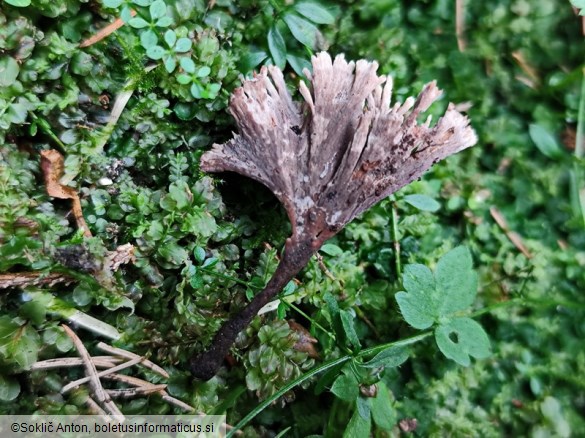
point(326, 159)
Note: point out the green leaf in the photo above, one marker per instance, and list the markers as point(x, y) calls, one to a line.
point(33, 311)
point(112, 3)
point(277, 47)
point(346, 387)
point(184, 80)
point(173, 252)
point(417, 306)
point(183, 45)
point(81, 63)
point(18, 3)
point(250, 60)
point(170, 37)
point(304, 31)
point(170, 63)
point(579, 4)
point(196, 90)
point(281, 310)
point(452, 289)
point(349, 328)
point(289, 288)
point(199, 254)
point(460, 338)
point(331, 249)
point(213, 88)
point(363, 405)
point(24, 347)
point(314, 11)
point(164, 22)
point(422, 202)
point(138, 23)
point(9, 388)
point(203, 72)
point(551, 408)
point(187, 64)
point(200, 223)
point(456, 281)
point(545, 141)
point(358, 427)
point(9, 70)
point(148, 39)
point(298, 64)
point(155, 52)
point(383, 413)
point(389, 358)
point(158, 9)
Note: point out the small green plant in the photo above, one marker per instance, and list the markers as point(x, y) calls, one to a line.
point(356, 378)
point(440, 299)
point(193, 76)
point(297, 20)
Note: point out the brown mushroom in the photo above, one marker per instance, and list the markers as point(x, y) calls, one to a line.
point(326, 159)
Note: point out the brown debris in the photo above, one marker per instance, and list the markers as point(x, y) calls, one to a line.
point(408, 424)
point(74, 257)
point(25, 279)
point(460, 25)
point(52, 164)
point(531, 79)
point(105, 32)
point(103, 399)
point(306, 342)
point(512, 235)
point(327, 159)
point(100, 402)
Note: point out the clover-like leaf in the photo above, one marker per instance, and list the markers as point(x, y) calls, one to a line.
point(170, 63)
point(158, 9)
point(148, 39)
point(170, 37)
point(418, 305)
point(155, 52)
point(460, 338)
point(187, 64)
point(430, 297)
point(203, 72)
point(164, 22)
point(138, 23)
point(18, 3)
point(183, 45)
point(112, 3)
point(456, 281)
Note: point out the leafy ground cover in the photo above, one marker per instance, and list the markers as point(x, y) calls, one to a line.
point(454, 307)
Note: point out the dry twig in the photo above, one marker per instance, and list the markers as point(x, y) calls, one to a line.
point(460, 24)
point(128, 355)
point(66, 362)
point(105, 32)
point(512, 235)
point(94, 381)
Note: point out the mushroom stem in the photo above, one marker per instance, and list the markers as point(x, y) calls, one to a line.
point(296, 255)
